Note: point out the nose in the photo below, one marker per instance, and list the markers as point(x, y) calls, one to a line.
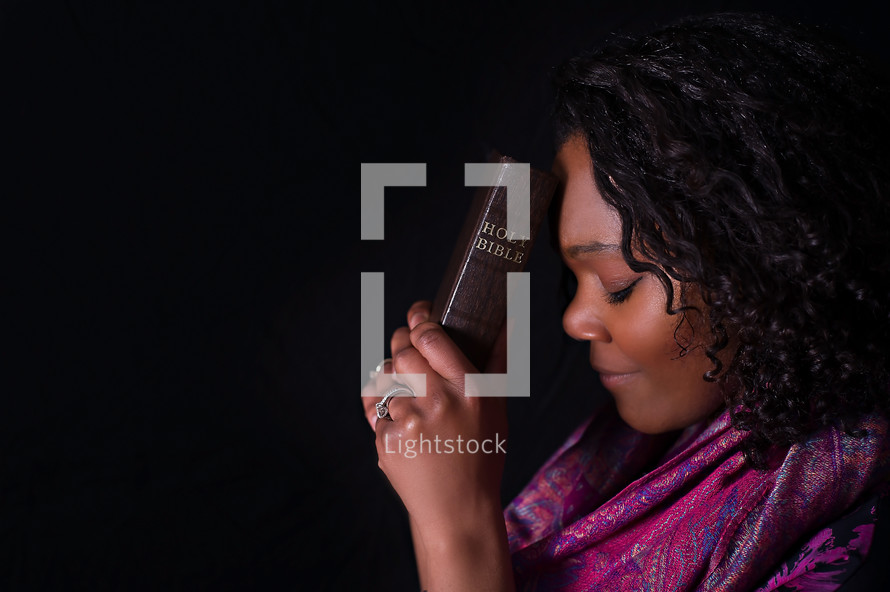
point(582, 320)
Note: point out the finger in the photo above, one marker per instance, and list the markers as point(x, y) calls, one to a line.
point(419, 312)
point(371, 416)
point(385, 367)
point(441, 353)
point(400, 406)
point(411, 369)
point(371, 396)
point(380, 380)
point(369, 400)
point(400, 340)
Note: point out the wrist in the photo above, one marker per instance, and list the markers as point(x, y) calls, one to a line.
point(482, 536)
point(471, 520)
point(476, 558)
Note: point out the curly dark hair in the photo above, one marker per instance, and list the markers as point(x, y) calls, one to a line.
point(749, 157)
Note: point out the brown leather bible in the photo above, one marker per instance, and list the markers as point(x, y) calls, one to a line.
point(471, 303)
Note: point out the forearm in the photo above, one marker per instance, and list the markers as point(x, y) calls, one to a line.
point(420, 554)
point(456, 558)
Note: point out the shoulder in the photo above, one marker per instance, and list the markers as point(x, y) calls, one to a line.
point(838, 550)
point(819, 509)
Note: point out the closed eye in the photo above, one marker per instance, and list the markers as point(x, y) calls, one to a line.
point(621, 295)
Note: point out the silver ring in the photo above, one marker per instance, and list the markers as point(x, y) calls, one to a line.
point(373, 373)
point(393, 391)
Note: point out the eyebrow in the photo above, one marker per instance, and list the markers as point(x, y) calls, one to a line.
point(591, 247)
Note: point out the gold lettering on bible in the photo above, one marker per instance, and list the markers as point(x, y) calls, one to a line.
point(511, 253)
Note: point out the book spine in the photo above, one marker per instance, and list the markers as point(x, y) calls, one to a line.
point(471, 303)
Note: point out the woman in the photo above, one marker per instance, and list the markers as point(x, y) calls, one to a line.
point(724, 211)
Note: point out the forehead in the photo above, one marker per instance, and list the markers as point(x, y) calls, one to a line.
point(584, 217)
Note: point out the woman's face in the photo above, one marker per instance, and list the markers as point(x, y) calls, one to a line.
point(623, 313)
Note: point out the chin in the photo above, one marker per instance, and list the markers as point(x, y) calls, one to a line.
point(653, 423)
point(650, 426)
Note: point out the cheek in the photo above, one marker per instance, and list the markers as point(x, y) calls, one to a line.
point(646, 331)
point(672, 393)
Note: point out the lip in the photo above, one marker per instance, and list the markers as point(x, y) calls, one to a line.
point(611, 381)
point(614, 379)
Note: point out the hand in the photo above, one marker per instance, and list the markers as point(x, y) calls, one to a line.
point(442, 453)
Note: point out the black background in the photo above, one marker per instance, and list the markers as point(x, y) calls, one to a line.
point(181, 208)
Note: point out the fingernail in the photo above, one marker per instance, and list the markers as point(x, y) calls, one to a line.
point(418, 317)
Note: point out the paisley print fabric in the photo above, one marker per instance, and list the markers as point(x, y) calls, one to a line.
point(597, 516)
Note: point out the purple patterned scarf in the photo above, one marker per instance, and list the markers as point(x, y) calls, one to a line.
point(703, 519)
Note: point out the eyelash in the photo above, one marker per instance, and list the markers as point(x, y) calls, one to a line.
point(621, 295)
